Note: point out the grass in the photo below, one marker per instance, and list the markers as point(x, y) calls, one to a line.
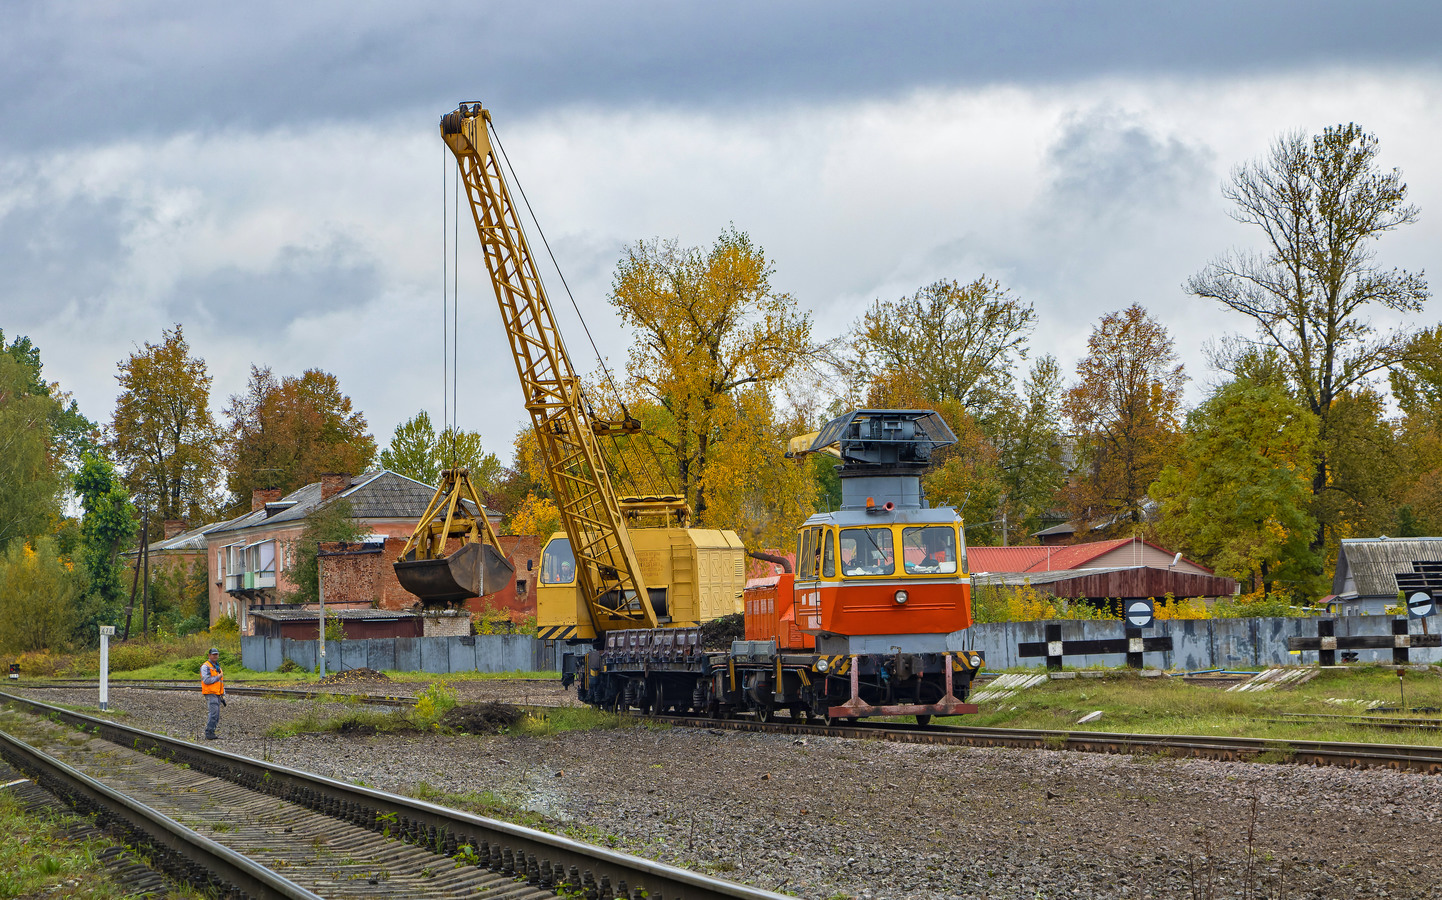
point(37, 859)
point(1132, 704)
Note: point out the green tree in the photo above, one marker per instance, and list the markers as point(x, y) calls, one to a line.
point(1124, 411)
point(332, 521)
point(707, 322)
point(952, 340)
point(38, 593)
point(30, 483)
point(180, 597)
point(108, 522)
point(1320, 204)
point(416, 451)
point(1239, 494)
point(1417, 387)
point(162, 433)
point(285, 433)
point(1027, 433)
point(72, 435)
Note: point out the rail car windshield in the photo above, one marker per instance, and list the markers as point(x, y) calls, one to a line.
point(867, 551)
point(929, 550)
point(558, 563)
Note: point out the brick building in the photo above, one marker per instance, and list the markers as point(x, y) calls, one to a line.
point(249, 557)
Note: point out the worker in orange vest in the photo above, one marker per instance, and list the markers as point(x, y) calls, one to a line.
point(212, 687)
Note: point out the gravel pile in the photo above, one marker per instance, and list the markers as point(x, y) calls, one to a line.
point(828, 818)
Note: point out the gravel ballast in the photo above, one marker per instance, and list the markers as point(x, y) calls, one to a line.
point(830, 817)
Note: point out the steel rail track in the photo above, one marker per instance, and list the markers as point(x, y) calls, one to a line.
point(181, 852)
point(1404, 757)
point(543, 860)
point(1395, 756)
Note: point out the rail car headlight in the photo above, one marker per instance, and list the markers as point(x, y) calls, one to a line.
point(900, 597)
point(822, 665)
point(976, 662)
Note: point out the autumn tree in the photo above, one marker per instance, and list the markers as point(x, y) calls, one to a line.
point(286, 432)
point(1417, 388)
point(1239, 494)
point(416, 451)
point(951, 340)
point(162, 434)
point(707, 322)
point(1124, 411)
point(1320, 204)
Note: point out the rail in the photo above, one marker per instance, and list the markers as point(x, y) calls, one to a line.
point(542, 858)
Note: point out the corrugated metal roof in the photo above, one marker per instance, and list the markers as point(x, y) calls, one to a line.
point(1374, 564)
point(310, 615)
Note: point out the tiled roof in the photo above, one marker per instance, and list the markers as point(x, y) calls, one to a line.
point(1375, 565)
point(375, 495)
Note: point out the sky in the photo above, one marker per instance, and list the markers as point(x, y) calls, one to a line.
point(270, 175)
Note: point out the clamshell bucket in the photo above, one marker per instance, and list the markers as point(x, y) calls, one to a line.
point(472, 571)
point(476, 568)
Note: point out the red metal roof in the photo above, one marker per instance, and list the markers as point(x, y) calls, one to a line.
point(1040, 559)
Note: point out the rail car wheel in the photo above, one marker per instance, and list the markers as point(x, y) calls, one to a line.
point(658, 701)
point(923, 720)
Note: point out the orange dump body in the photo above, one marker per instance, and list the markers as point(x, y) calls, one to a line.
point(771, 613)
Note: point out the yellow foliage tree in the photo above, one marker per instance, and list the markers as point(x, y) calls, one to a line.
point(707, 323)
point(536, 515)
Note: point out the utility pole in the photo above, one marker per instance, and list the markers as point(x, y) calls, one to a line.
point(320, 592)
point(135, 581)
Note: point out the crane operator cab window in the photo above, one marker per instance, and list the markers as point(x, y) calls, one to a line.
point(558, 563)
point(867, 551)
point(929, 551)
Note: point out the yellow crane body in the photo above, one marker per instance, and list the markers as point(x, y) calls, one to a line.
point(694, 575)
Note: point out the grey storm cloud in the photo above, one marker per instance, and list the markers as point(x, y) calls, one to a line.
point(299, 281)
point(1106, 163)
point(72, 71)
point(65, 249)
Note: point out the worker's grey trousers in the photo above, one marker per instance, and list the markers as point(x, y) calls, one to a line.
point(214, 719)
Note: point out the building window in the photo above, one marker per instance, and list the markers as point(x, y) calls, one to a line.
point(521, 587)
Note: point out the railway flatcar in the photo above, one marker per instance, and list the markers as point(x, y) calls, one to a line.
point(873, 622)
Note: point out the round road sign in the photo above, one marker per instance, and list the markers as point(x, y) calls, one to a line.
point(1139, 613)
point(1420, 604)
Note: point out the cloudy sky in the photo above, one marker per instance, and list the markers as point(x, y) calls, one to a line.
point(269, 175)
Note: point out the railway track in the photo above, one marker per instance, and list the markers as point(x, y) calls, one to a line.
point(1394, 756)
point(236, 826)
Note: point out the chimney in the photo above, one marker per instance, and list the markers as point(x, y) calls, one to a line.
point(332, 483)
point(261, 496)
point(173, 527)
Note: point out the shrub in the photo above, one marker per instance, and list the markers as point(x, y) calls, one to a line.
point(38, 594)
point(225, 625)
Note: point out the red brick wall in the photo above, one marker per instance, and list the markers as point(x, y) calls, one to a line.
point(352, 577)
point(518, 597)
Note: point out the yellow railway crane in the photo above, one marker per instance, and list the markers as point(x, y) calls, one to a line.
point(691, 574)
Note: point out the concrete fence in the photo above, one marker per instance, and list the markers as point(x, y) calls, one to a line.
point(1197, 644)
point(437, 655)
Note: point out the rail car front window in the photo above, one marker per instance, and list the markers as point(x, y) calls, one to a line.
point(558, 563)
point(867, 551)
point(929, 551)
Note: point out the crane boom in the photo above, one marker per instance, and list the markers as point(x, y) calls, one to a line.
point(606, 565)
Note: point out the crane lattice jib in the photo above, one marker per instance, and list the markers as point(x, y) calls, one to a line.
point(609, 576)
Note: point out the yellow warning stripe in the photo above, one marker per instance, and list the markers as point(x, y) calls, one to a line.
point(556, 632)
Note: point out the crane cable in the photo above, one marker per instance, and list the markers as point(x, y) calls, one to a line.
point(620, 456)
